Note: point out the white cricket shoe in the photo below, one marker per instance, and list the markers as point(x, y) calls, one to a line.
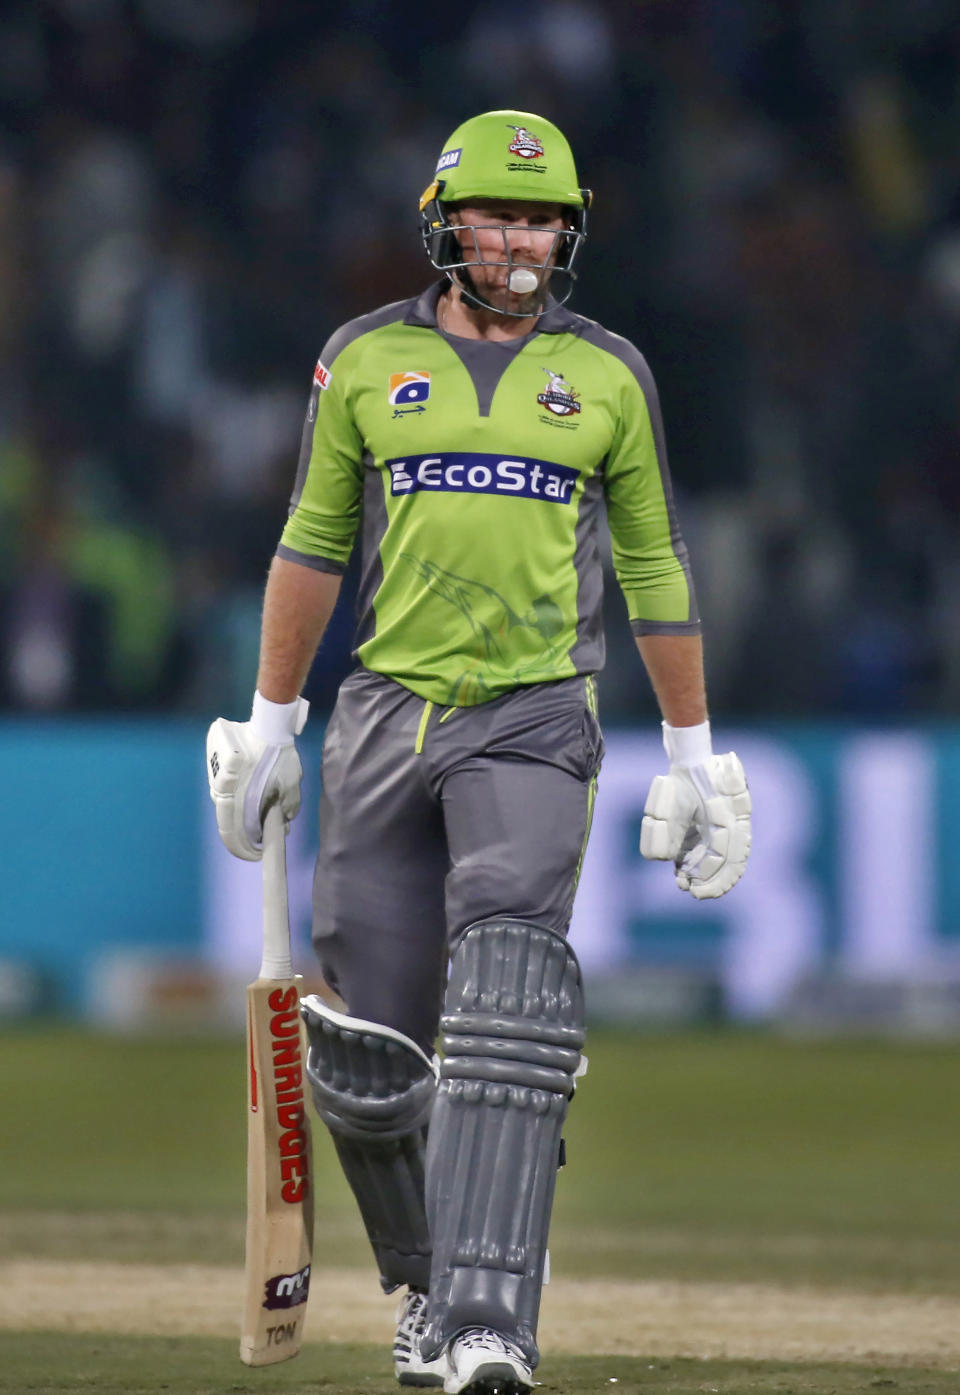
point(408, 1365)
point(484, 1363)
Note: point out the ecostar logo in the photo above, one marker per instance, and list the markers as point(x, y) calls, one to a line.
point(292, 1144)
point(483, 474)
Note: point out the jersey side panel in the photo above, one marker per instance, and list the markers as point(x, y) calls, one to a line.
point(567, 400)
point(374, 515)
point(325, 506)
point(649, 555)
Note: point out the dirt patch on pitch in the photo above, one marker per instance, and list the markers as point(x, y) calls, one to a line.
point(628, 1318)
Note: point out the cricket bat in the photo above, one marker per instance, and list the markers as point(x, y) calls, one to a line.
point(279, 1174)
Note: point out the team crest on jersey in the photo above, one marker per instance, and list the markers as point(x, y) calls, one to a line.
point(524, 143)
point(408, 393)
point(559, 397)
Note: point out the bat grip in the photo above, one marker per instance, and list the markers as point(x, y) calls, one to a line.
point(277, 961)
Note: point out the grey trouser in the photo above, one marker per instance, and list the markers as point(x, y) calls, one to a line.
point(434, 818)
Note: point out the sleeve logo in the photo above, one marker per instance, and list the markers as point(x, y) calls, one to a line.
point(321, 375)
point(408, 392)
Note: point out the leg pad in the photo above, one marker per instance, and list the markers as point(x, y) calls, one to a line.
point(374, 1089)
point(512, 1033)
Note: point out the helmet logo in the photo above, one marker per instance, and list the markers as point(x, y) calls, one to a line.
point(559, 397)
point(530, 147)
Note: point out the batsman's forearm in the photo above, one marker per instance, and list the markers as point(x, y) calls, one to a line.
point(675, 666)
point(297, 606)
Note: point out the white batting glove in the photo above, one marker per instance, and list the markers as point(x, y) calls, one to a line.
point(698, 815)
point(251, 765)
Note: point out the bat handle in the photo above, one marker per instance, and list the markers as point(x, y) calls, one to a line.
point(277, 961)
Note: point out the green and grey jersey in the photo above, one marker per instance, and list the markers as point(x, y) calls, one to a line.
point(480, 471)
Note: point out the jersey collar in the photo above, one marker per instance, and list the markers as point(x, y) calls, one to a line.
point(556, 319)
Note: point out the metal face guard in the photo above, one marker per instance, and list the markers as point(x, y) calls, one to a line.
point(446, 254)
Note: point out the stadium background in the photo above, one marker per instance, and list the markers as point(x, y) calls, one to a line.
point(192, 196)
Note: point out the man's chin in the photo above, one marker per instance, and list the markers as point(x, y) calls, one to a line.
point(500, 300)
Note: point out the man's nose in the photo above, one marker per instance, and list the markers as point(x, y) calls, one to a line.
point(520, 238)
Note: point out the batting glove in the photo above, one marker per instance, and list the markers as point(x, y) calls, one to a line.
point(251, 765)
point(698, 815)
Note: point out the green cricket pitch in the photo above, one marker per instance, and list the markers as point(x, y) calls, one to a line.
point(740, 1213)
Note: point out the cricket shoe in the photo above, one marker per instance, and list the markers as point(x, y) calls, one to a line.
point(408, 1365)
point(484, 1363)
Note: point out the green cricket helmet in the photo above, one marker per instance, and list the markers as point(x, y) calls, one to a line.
point(506, 155)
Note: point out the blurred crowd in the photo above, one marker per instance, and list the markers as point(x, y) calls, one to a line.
point(194, 195)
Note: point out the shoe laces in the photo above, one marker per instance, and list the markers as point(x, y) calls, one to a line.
point(413, 1311)
point(485, 1339)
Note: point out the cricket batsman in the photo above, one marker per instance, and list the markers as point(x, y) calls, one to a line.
point(474, 436)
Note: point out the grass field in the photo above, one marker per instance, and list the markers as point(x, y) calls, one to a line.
point(739, 1214)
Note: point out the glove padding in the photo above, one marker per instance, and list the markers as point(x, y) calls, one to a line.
point(699, 818)
point(247, 775)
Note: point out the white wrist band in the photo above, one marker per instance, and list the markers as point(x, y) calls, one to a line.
point(277, 723)
point(687, 745)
